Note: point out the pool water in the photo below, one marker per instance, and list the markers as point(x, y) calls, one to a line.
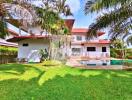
point(120, 62)
point(103, 62)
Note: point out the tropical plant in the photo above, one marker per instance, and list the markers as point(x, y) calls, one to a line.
point(117, 16)
point(44, 54)
point(49, 16)
point(129, 40)
point(117, 44)
point(3, 13)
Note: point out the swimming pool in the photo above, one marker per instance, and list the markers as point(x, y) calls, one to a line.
point(103, 62)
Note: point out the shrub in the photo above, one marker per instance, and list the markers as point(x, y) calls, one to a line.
point(8, 50)
point(117, 53)
point(129, 64)
point(44, 54)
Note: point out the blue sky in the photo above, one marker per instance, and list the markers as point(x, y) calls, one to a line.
point(81, 20)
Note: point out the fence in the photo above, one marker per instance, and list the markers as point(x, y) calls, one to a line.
point(8, 54)
point(7, 59)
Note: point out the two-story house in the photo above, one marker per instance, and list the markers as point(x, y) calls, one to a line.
point(95, 48)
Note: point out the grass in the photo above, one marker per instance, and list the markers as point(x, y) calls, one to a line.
point(39, 82)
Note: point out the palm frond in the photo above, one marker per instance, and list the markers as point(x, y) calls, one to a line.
point(3, 29)
point(98, 5)
point(117, 19)
point(129, 40)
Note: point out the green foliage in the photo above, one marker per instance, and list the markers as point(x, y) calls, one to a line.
point(3, 28)
point(36, 82)
point(129, 64)
point(117, 17)
point(118, 53)
point(50, 21)
point(129, 40)
point(44, 54)
point(8, 50)
point(3, 14)
point(117, 44)
point(113, 53)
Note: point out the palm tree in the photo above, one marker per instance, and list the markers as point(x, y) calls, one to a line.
point(49, 17)
point(3, 26)
point(119, 18)
point(4, 12)
point(129, 40)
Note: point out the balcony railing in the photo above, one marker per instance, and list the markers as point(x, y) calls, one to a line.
point(92, 54)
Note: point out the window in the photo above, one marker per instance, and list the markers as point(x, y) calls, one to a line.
point(91, 49)
point(25, 45)
point(104, 49)
point(79, 38)
point(76, 49)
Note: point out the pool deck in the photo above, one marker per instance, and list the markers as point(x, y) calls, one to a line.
point(115, 67)
point(74, 62)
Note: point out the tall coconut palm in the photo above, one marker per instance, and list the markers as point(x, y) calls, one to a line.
point(129, 40)
point(5, 6)
point(118, 17)
point(3, 13)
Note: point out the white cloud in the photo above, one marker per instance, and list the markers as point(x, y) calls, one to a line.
point(74, 5)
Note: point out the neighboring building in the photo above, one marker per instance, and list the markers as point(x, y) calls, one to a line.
point(94, 48)
point(3, 42)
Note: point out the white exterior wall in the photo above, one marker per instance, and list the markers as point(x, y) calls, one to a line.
point(33, 44)
point(74, 38)
point(93, 54)
point(98, 52)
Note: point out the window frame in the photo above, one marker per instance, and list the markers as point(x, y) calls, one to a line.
point(91, 49)
point(75, 50)
point(104, 49)
point(78, 37)
point(25, 44)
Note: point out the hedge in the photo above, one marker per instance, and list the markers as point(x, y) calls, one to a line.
point(8, 50)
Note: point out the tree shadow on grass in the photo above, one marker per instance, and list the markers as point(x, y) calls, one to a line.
point(62, 72)
point(69, 87)
point(18, 71)
point(63, 84)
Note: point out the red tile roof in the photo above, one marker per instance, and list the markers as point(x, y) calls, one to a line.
point(92, 42)
point(69, 23)
point(19, 38)
point(83, 31)
point(79, 30)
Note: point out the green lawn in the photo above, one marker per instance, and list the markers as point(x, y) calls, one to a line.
point(39, 82)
